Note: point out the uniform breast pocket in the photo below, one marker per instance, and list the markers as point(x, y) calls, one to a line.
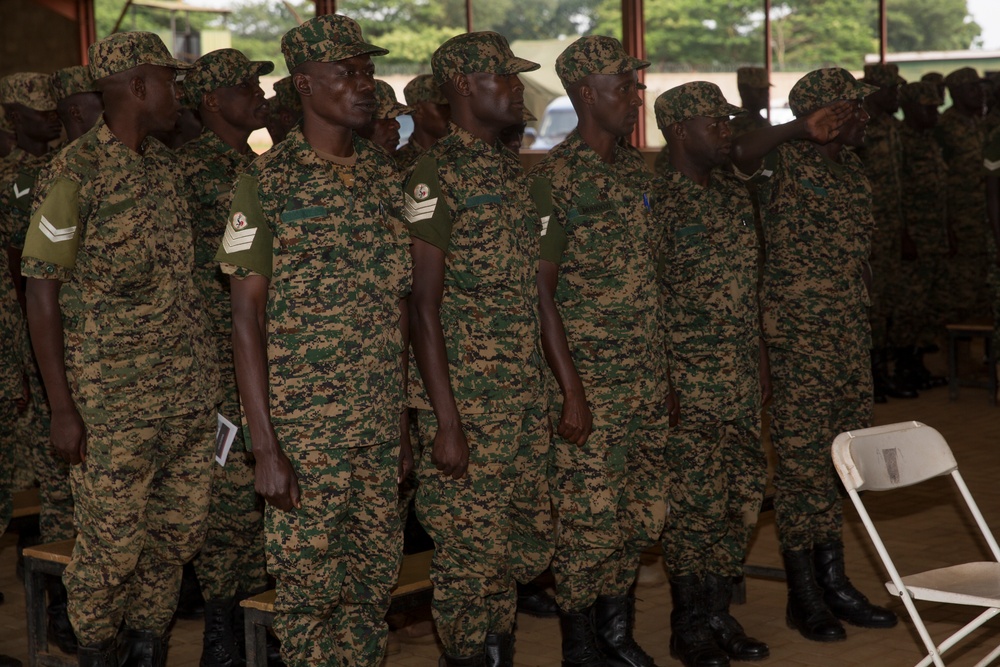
point(122, 241)
point(484, 250)
point(597, 243)
point(314, 272)
point(692, 251)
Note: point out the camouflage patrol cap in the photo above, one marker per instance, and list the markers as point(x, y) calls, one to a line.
point(285, 95)
point(122, 51)
point(933, 77)
point(31, 89)
point(385, 98)
point(920, 92)
point(883, 75)
point(962, 76)
point(72, 81)
point(692, 100)
point(326, 39)
point(423, 89)
point(752, 77)
point(222, 69)
point(485, 52)
point(821, 87)
point(594, 54)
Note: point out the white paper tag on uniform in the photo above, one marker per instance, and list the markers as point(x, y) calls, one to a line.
point(224, 436)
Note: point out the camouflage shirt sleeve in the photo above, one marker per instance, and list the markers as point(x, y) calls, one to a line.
point(553, 234)
point(53, 236)
point(246, 247)
point(425, 208)
point(991, 154)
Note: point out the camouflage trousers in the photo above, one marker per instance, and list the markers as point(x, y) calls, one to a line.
point(232, 557)
point(491, 527)
point(885, 265)
point(717, 471)
point(55, 518)
point(8, 418)
point(141, 500)
point(821, 387)
point(336, 558)
point(923, 292)
point(968, 293)
point(610, 499)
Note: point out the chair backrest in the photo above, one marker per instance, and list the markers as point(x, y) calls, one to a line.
point(891, 456)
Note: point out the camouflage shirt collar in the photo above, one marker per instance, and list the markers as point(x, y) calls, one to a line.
point(474, 143)
point(212, 143)
point(574, 143)
point(150, 149)
point(306, 156)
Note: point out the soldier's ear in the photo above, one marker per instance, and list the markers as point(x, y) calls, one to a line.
point(137, 86)
point(302, 84)
point(461, 84)
point(210, 101)
point(12, 113)
point(587, 94)
point(678, 130)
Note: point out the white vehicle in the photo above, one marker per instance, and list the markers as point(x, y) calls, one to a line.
point(558, 121)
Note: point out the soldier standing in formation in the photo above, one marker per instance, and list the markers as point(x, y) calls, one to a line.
point(431, 114)
point(284, 110)
point(601, 332)
point(319, 265)
point(115, 317)
point(224, 86)
point(384, 129)
point(718, 366)
point(755, 97)
point(483, 470)
point(816, 211)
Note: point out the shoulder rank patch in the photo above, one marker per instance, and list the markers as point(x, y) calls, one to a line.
point(545, 224)
point(239, 221)
point(416, 210)
point(421, 191)
point(53, 234)
point(237, 238)
point(18, 193)
point(989, 164)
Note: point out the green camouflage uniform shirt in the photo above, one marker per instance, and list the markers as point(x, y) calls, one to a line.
point(924, 179)
point(17, 181)
point(106, 225)
point(471, 200)
point(337, 259)
point(962, 139)
point(709, 281)
point(210, 167)
point(12, 326)
point(597, 227)
point(817, 230)
point(408, 154)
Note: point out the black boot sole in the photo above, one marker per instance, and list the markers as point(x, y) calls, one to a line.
point(824, 639)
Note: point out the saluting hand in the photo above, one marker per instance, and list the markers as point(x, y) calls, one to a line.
point(823, 125)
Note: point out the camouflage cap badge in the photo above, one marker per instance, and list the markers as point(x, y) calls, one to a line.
point(221, 69)
point(752, 77)
point(920, 92)
point(423, 88)
point(821, 87)
point(385, 98)
point(285, 95)
point(962, 76)
point(326, 39)
point(31, 89)
point(594, 54)
point(486, 52)
point(122, 51)
point(73, 80)
point(692, 100)
point(883, 75)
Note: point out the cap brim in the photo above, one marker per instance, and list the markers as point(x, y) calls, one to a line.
point(517, 65)
point(859, 90)
point(731, 110)
point(399, 110)
point(261, 67)
point(173, 63)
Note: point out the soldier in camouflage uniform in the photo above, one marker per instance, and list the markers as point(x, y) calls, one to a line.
point(882, 156)
point(599, 311)
point(991, 165)
point(123, 347)
point(225, 86)
point(816, 209)
point(718, 367)
point(7, 137)
point(937, 79)
point(483, 492)
point(923, 284)
point(430, 118)
point(78, 100)
point(285, 110)
point(318, 258)
point(961, 137)
point(384, 129)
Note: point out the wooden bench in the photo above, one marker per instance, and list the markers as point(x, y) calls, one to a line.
point(39, 562)
point(26, 503)
point(957, 332)
point(413, 589)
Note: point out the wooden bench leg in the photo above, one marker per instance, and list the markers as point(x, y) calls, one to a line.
point(34, 605)
point(952, 366)
point(255, 624)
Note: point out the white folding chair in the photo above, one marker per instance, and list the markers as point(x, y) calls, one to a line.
point(898, 455)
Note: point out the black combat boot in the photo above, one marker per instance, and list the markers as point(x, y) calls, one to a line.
point(845, 601)
point(691, 639)
point(143, 648)
point(499, 649)
point(579, 645)
point(614, 624)
point(806, 610)
point(218, 648)
point(104, 654)
point(728, 632)
point(534, 600)
point(60, 630)
point(451, 661)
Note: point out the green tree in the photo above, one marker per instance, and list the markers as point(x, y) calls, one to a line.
point(931, 25)
point(816, 33)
